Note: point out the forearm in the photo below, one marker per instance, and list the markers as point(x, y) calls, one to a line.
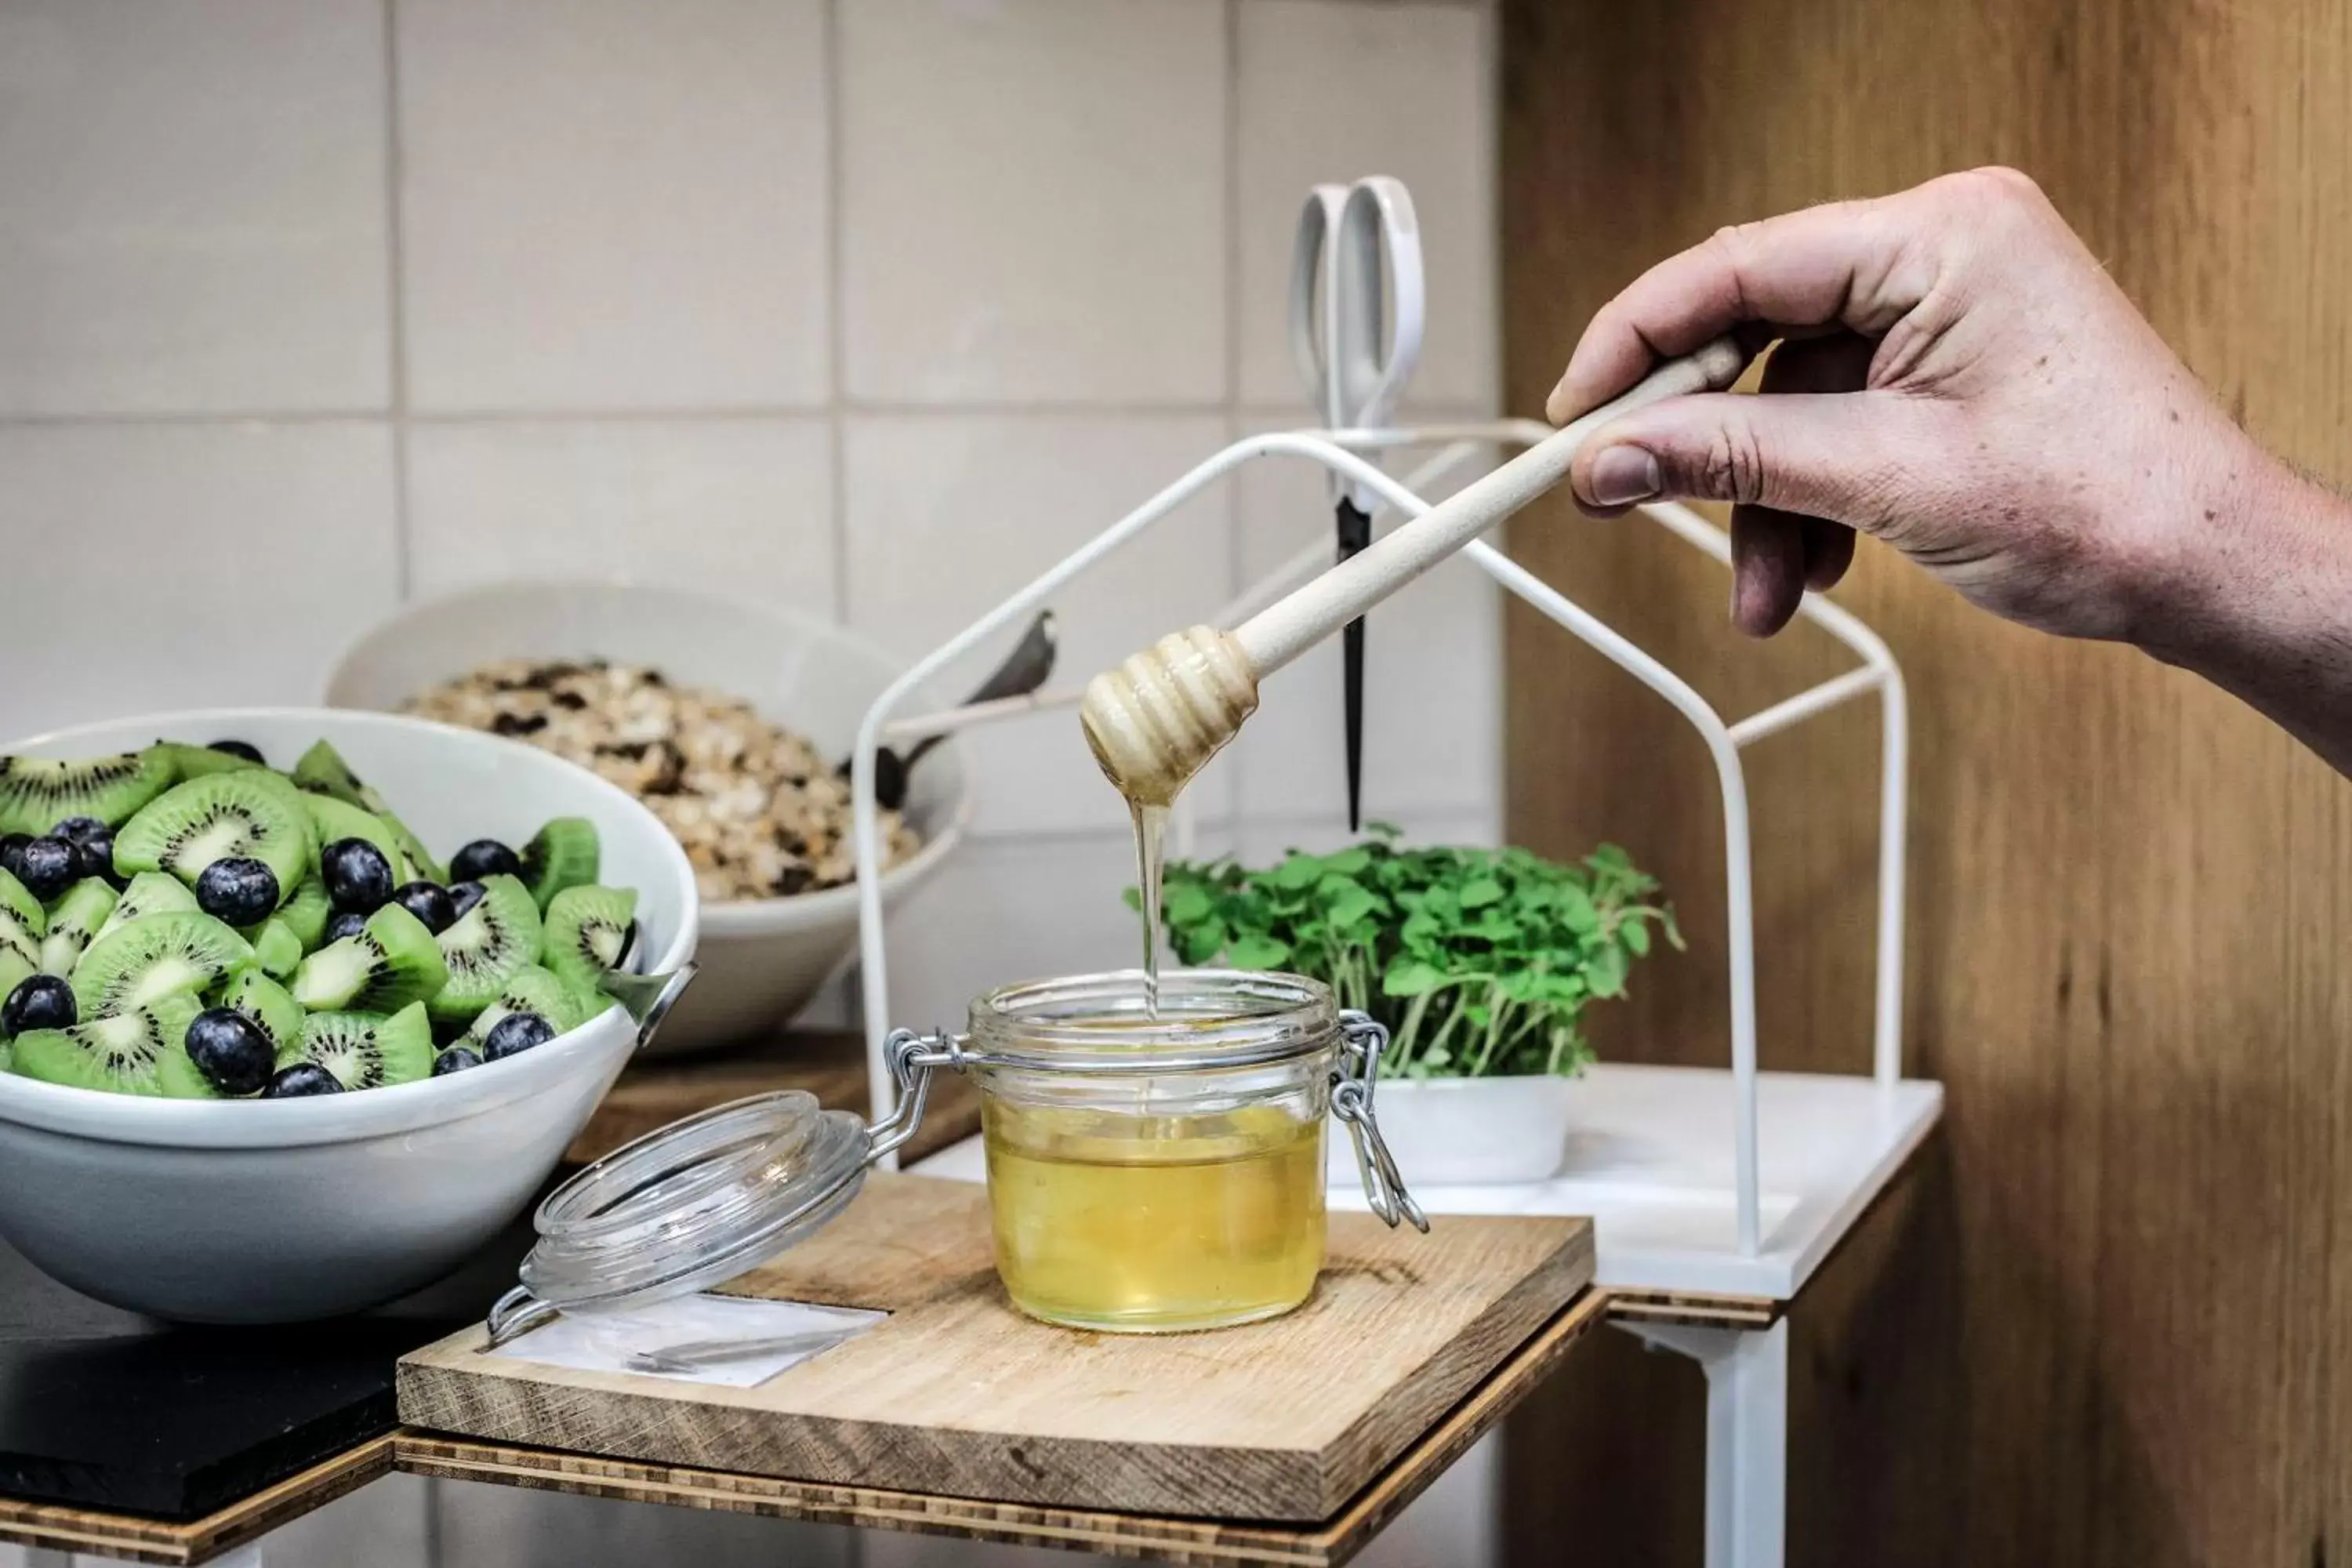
point(2260, 600)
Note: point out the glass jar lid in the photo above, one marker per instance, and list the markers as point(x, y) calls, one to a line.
point(688, 1206)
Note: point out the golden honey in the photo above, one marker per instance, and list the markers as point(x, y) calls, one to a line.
point(1155, 1223)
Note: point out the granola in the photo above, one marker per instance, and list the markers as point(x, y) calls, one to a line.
point(761, 813)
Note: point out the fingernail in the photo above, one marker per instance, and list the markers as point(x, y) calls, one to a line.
point(1556, 405)
point(1623, 475)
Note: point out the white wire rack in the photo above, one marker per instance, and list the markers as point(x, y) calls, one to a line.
point(1459, 445)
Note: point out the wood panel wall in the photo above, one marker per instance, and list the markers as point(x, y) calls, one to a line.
point(2110, 1321)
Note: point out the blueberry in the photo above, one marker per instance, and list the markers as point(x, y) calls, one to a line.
point(246, 748)
point(48, 866)
point(39, 1002)
point(485, 857)
point(237, 891)
point(428, 902)
point(515, 1034)
point(463, 896)
point(357, 874)
point(11, 851)
point(351, 922)
point(230, 1050)
point(301, 1078)
point(93, 848)
point(78, 830)
point(457, 1058)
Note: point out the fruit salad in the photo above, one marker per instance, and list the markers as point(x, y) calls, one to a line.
point(188, 921)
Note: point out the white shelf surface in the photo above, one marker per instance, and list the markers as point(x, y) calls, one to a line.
point(1649, 1159)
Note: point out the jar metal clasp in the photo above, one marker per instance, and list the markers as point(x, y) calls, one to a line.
point(1362, 1042)
point(912, 1057)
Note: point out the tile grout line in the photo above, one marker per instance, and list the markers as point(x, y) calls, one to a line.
point(843, 988)
point(836, 327)
point(1234, 554)
point(396, 312)
point(1443, 411)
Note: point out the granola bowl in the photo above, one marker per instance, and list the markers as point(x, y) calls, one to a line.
point(755, 812)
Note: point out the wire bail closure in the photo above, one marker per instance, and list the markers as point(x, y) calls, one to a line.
point(914, 1057)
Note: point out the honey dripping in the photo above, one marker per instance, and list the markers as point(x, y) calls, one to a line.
point(1150, 826)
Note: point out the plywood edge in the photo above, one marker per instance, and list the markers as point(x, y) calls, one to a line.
point(1696, 1308)
point(1470, 1360)
point(1206, 1542)
point(826, 1450)
point(133, 1539)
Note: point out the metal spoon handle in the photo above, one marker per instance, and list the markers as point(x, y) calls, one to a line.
point(703, 1353)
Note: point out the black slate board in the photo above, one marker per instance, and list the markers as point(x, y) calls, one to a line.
point(104, 1409)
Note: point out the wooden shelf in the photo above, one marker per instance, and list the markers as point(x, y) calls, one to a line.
point(1287, 1419)
point(1209, 1542)
point(129, 1538)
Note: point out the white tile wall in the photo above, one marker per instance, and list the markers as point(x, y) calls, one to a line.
point(1332, 90)
point(745, 506)
point(870, 307)
point(161, 566)
point(1033, 199)
point(614, 204)
point(193, 208)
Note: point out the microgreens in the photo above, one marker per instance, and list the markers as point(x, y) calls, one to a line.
point(1478, 961)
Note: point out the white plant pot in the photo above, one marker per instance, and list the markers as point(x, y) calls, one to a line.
point(1467, 1131)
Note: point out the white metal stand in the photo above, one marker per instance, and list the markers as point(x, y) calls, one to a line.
point(1667, 1216)
point(1746, 1436)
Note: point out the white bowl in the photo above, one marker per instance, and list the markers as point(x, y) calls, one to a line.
point(762, 959)
point(1467, 1131)
point(277, 1211)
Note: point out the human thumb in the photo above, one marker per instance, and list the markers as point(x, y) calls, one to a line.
point(1828, 454)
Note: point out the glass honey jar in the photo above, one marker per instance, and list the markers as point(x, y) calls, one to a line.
point(1153, 1171)
point(1148, 1170)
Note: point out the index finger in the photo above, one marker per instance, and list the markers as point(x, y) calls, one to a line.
point(1832, 265)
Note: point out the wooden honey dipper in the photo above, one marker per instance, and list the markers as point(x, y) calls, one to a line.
point(1157, 718)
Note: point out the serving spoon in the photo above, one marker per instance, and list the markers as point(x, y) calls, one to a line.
point(1024, 670)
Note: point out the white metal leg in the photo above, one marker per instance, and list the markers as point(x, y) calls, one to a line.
point(1746, 1436)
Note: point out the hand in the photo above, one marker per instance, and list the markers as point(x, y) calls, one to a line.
point(1955, 374)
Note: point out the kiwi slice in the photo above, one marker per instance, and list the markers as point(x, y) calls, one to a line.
point(149, 893)
point(81, 912)
point(194, 761)
point(38, 793)
point(381, 968)
point(588, 929)
point(486, 946)
point(366, 1050)
point(250, 811)
point(269, 1005)
point(336, 819)
point(307, 912)
point(22, 922)
point(14, 970)
point(143, 1051)
point(529, 989)
point(322, 771)
point(563, 854)
point(277, 949)
point(158, 955)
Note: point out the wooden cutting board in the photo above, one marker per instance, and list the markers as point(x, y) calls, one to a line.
point(958, 1395)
